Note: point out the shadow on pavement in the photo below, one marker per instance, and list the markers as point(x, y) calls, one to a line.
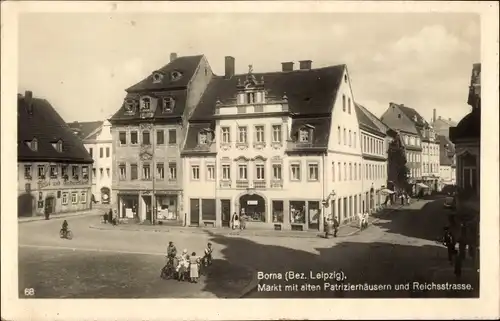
point(383, 264)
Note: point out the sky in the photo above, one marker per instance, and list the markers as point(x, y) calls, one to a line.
point(83, 62)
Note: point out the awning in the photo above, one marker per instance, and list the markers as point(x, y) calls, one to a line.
point(422, 185)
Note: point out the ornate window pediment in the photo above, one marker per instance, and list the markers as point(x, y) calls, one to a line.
point(260, 158)
point(168, 104)
point(241, 159)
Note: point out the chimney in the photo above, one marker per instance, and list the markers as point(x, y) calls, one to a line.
point(449, 119)
point(28, 99)
point(434, 115)
point(173, 56)
point(229, 67)
point(287, 66)
point(439, 117)
point(305, 64)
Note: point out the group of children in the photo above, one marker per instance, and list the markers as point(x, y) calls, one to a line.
point(188, 262)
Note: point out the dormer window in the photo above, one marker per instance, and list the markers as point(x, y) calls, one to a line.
point(58, 146)
point(157, 77)
point(129, 106)
point(305, 134)
point(175, 75)
point(168, 104)
point(33, 144)
point(415, 118)
point(146, 103)
point(250, 98)
point(202, 138)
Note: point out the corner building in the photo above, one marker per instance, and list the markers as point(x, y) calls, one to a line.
point(53, 166)
point(281, 147)
point(147, 132)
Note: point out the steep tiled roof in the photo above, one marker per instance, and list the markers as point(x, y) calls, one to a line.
point(47, 127)
point(446, 151)
point(84, 129)
point(402, 122)
point(310, 95)
point(308, 91)
point(412, 114)
point(192, 145)
point(186, 65)
point(365, 119)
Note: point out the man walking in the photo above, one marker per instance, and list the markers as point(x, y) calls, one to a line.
point(335, 226)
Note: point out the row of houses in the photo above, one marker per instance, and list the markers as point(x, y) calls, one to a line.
point(287, 148)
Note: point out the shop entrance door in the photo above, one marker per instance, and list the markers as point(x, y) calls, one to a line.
point(225, 212)
point(194, 208)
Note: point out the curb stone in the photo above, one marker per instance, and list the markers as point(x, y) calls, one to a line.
point(55, 217)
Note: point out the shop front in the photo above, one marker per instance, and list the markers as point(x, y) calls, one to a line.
point(167, 206)
point(305, 214)
point(128, 205)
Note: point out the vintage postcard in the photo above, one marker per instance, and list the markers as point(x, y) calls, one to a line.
point(253, 152)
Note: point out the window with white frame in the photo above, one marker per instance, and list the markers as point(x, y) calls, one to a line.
point(122, 171)
point(226, 135)
point(339, 171)
point(242, 134)
point(355, 171)
point(350, 171)
point(53, 171)
point(350, 138)
point(303, 135)
point(339, 135)
point(277, 136)
point(333, 171)
point(313, 172)
point(64, 200)
point(242, 172)
point(277, 172)
point(195, 172)
point(345, 172)
point(354, 140)
point(260, 172)
point(74, 197)
point(146, 171)
point(83, 197)
point(160, 171)
point(146, 103)
point(172, 171)
point(202, 138)
point(359, 174)
point(226, 172)
point(210, 172)
point(27, 171)
point(259, 134)
point(74, 171)
point(295, 171)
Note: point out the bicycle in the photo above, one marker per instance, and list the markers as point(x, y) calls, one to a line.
point(66, 234)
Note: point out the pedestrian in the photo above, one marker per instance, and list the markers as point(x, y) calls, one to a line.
point(449, 243)
point(335, 226)
point(46, 212)
point(194, 262)
point(365, 220)
point(105, 216)
point(402, 197)
point(360, 220)
point(328, 228)
point(243, 221)
point(110, 215)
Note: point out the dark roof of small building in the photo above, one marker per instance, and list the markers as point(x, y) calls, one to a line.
point(309, 92)
point(320, 134)
point(412, 113)
point(185, 65)
point(364, 119)
point(84, 129)
point(446, 151)
point(46, 126)
point(468, 128)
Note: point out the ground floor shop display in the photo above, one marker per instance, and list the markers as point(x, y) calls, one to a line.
point(142, 206)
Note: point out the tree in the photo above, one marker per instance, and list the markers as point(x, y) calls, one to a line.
point(398, 169)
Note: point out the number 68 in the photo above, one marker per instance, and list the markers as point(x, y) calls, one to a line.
point(29, 291)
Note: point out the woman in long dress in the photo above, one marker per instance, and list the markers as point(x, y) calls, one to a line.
point(194, 267)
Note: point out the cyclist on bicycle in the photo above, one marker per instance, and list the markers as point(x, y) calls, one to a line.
point(171, 252)
point(65, 228)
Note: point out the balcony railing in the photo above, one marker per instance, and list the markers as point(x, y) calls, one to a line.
point(259, 184)
point(241, 184)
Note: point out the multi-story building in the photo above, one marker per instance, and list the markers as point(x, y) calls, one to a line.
point(53, 165)
point(447, 162)
point(96, 137)
point(442, 126)
point(467, 139)
point(147, 131)
point(374, 144)
point(281, 147)
point(404, 125)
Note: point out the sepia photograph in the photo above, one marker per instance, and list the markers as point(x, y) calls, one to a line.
point(250, 154)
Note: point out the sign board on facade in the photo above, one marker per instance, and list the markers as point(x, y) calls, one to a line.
point(252, 202)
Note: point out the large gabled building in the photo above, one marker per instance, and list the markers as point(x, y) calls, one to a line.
point(282, 147)
point(53, 165)
point(147, 132)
